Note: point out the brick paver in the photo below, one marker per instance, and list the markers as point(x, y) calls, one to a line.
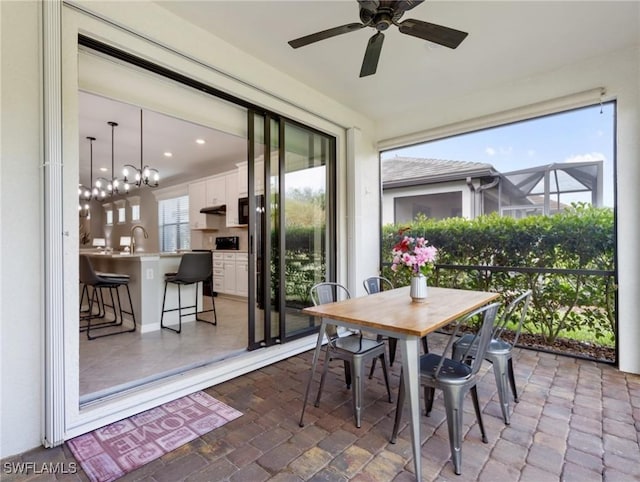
point(577, 420)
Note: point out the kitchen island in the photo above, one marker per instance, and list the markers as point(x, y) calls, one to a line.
point(146, 283)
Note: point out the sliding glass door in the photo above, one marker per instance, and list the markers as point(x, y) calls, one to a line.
point(291, 226)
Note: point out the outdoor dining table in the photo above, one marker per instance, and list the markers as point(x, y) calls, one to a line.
point(393, 313)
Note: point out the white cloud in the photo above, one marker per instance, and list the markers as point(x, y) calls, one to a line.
point(490, 151)
point(592, 156)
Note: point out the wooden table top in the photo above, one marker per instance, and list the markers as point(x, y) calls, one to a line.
point(394, 311)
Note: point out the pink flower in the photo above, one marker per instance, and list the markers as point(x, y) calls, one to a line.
point(415, 254)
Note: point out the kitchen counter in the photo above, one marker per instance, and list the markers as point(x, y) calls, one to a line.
point(146, 272)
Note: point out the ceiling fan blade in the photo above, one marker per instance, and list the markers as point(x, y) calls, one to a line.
point(371, 55)
point(325, 34)
point(438, 34)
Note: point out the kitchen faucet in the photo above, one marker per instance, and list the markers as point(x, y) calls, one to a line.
point(133, 236)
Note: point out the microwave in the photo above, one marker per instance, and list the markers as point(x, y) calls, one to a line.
point(243, 208)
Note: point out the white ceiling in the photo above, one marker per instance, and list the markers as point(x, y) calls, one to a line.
point(161, 133)
point(507, 41)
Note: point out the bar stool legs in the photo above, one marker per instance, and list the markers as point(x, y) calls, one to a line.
point(180, 308)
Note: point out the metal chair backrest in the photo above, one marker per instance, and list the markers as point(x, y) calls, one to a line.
point(194, 267)
point(375, 284)
point(521, 303)
point(481, 339)
point(329, 292)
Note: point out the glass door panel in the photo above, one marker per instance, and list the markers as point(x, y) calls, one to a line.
point(291, 227)
point(305, 222)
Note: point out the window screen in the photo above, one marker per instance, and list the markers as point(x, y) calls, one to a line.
point(173, 221)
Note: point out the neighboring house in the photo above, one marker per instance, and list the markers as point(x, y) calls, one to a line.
point(442, 189)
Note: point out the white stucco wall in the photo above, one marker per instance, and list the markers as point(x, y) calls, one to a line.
point(21, 273)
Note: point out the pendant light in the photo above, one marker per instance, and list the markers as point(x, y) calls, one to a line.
point(146, 175)
point(84, 193)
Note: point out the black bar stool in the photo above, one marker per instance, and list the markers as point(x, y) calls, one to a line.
point(194, 268)
point(98, 282)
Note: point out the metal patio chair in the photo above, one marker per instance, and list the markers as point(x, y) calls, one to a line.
point(499, 352)
point(354, 350)
point(455, 379)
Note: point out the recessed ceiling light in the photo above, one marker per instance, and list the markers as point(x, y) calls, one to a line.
point(200, 141)
point(103, 169)
point(168, 154)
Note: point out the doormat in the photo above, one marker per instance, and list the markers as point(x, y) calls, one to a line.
point(121, 447)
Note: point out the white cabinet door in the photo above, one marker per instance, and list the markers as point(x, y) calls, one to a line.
point(242, 274)
point(229, 268)
point(216, 191)
point(243, 179)
point(197, 200)
point(232, 199)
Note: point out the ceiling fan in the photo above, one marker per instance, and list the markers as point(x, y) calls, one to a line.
point(381, 14)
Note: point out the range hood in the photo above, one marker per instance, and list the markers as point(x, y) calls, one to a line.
point(220, 210)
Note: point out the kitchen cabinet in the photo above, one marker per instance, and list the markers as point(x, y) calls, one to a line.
point(216, 191)
point(243, 178)
point(218, 272)
point(242, 274)
point(229, 268)
point(197, 200)
point(232, 198)
point(231, 273)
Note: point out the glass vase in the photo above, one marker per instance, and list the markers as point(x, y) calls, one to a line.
point(418, 290)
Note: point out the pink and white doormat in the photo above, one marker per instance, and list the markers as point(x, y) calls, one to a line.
point(117, 449)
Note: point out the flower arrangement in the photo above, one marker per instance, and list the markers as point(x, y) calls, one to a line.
point(414, 254)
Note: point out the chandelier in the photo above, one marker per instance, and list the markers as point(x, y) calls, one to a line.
point(84, 193)
point(146, 175)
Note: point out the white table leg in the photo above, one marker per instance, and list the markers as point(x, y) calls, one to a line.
point(316, 355)
point(410, 371)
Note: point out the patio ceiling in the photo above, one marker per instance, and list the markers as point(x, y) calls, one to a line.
point(507, 42)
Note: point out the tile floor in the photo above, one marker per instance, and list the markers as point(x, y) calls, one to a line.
point(150, 355)
point(577, 421)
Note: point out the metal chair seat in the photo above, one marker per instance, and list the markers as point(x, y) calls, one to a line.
point(451, 371)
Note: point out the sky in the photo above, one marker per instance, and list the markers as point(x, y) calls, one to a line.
point(579, 135)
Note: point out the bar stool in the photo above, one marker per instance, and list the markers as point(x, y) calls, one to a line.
point(194, 268)
point(98, 282)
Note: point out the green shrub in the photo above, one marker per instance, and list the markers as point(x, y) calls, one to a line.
point(579, 238)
